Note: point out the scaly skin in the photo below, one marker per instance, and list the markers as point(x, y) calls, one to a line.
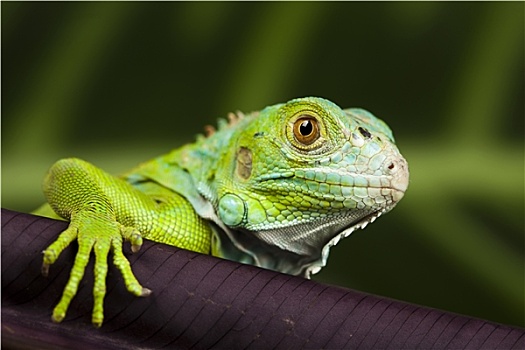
point(275, 189)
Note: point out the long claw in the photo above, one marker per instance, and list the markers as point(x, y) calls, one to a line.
point(58, 316)
point(133, 235)
point(135, 248)
point(45, 269)
point(146, 292)
point(136, 241)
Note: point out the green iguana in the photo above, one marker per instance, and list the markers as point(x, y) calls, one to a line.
point(275, 188)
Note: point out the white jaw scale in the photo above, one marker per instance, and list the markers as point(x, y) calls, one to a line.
point(316, 267)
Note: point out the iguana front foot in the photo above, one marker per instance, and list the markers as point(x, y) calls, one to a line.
point(98, 232)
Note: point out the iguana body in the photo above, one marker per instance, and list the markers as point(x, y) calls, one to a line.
point(275, 189)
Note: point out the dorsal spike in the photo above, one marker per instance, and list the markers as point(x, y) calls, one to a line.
point(240, 115)
point(232, 118)
point(209, 130)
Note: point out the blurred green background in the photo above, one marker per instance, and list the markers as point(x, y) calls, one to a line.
point(118, 83)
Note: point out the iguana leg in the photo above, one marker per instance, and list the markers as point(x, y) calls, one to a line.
point(103, 211)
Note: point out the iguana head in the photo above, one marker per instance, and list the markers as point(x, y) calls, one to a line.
point(299, 176)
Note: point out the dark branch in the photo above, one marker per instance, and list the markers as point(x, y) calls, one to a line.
point(202, 302)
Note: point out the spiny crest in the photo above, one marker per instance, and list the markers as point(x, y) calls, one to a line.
point(232, 120)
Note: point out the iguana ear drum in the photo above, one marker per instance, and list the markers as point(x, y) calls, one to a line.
point(243, 167)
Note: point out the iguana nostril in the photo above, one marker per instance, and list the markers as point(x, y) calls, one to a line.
point(400, 175)
point(364, 132)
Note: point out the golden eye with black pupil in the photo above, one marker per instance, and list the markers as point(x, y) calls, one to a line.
point(306, 130)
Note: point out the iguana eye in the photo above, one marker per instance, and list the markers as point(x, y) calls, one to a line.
point(306, 130)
